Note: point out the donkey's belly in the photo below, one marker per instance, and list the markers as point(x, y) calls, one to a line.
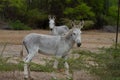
point(47, 51)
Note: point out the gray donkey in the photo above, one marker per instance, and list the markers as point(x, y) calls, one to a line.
point(57, 30)
point(59, 46)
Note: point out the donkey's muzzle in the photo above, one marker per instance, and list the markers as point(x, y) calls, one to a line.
point(78, 44)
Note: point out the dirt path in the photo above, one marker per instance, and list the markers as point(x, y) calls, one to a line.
point(92, 40)
point(18, 75)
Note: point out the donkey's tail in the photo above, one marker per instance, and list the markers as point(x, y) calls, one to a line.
point(21, 52)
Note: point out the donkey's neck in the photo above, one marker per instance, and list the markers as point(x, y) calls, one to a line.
point(70, 41)
point(52, 25)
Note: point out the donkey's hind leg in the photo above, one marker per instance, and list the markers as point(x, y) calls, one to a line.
point(55, 66)
point(27, 65)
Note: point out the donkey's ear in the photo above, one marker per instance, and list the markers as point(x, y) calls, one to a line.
point(73, 24)
point(67, 35)
point(81, 24)
point(49, 17)
point(54, 17)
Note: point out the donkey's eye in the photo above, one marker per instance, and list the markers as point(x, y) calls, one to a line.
point(73, 33)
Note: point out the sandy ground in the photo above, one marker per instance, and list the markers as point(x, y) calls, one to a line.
point(91, 40)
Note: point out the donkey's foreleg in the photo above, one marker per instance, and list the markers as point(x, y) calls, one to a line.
point(66, 67)
point(55, 66)
point(25, 70)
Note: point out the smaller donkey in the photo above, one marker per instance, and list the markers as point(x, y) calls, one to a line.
point(57, 30)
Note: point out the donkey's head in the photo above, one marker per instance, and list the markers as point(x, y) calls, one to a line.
point(75, 32)
point(51, 22)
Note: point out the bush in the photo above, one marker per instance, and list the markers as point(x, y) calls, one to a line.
point(67, 22)
point(88, 25)
point(112, 15)
point(111, 60)
point(36, 18)
point(105, 64)
point(17, 25)
point(80, 11)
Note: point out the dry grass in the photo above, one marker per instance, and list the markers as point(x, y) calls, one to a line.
point(15, 37)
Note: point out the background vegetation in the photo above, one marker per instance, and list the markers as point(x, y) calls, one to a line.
point(34, 13)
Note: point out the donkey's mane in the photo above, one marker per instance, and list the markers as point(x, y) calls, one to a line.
point(68, 33)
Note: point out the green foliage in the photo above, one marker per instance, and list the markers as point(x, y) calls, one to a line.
point(84, 11)
point(111, 18)
point(67, 22)
point(113, 11)
point(69, 11)
point(79, 12)
point(10, 7)
point(17, 25)
point(98, 7)
point(41, 68)
point(88, 25)
point(68, 1)
point(108, 64)
point(105, 64)
point(80, 63)
point(19, 4)
point(34, 16)
point(6, 66)
point(34, 13)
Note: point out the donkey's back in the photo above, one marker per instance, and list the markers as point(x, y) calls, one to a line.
point(60, 30)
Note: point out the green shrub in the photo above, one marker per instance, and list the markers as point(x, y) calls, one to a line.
point(67, 22)
point(112, 15)
point(108, 64)
point(88, 25)
point(109, 20)
point(36, 18)
point(17, 25)
point(35, 15)
point(41, 68)
point(105, 64)
point(79, 12)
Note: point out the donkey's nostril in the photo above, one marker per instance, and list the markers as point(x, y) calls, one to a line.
point(51, 29)
point(78, 44)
